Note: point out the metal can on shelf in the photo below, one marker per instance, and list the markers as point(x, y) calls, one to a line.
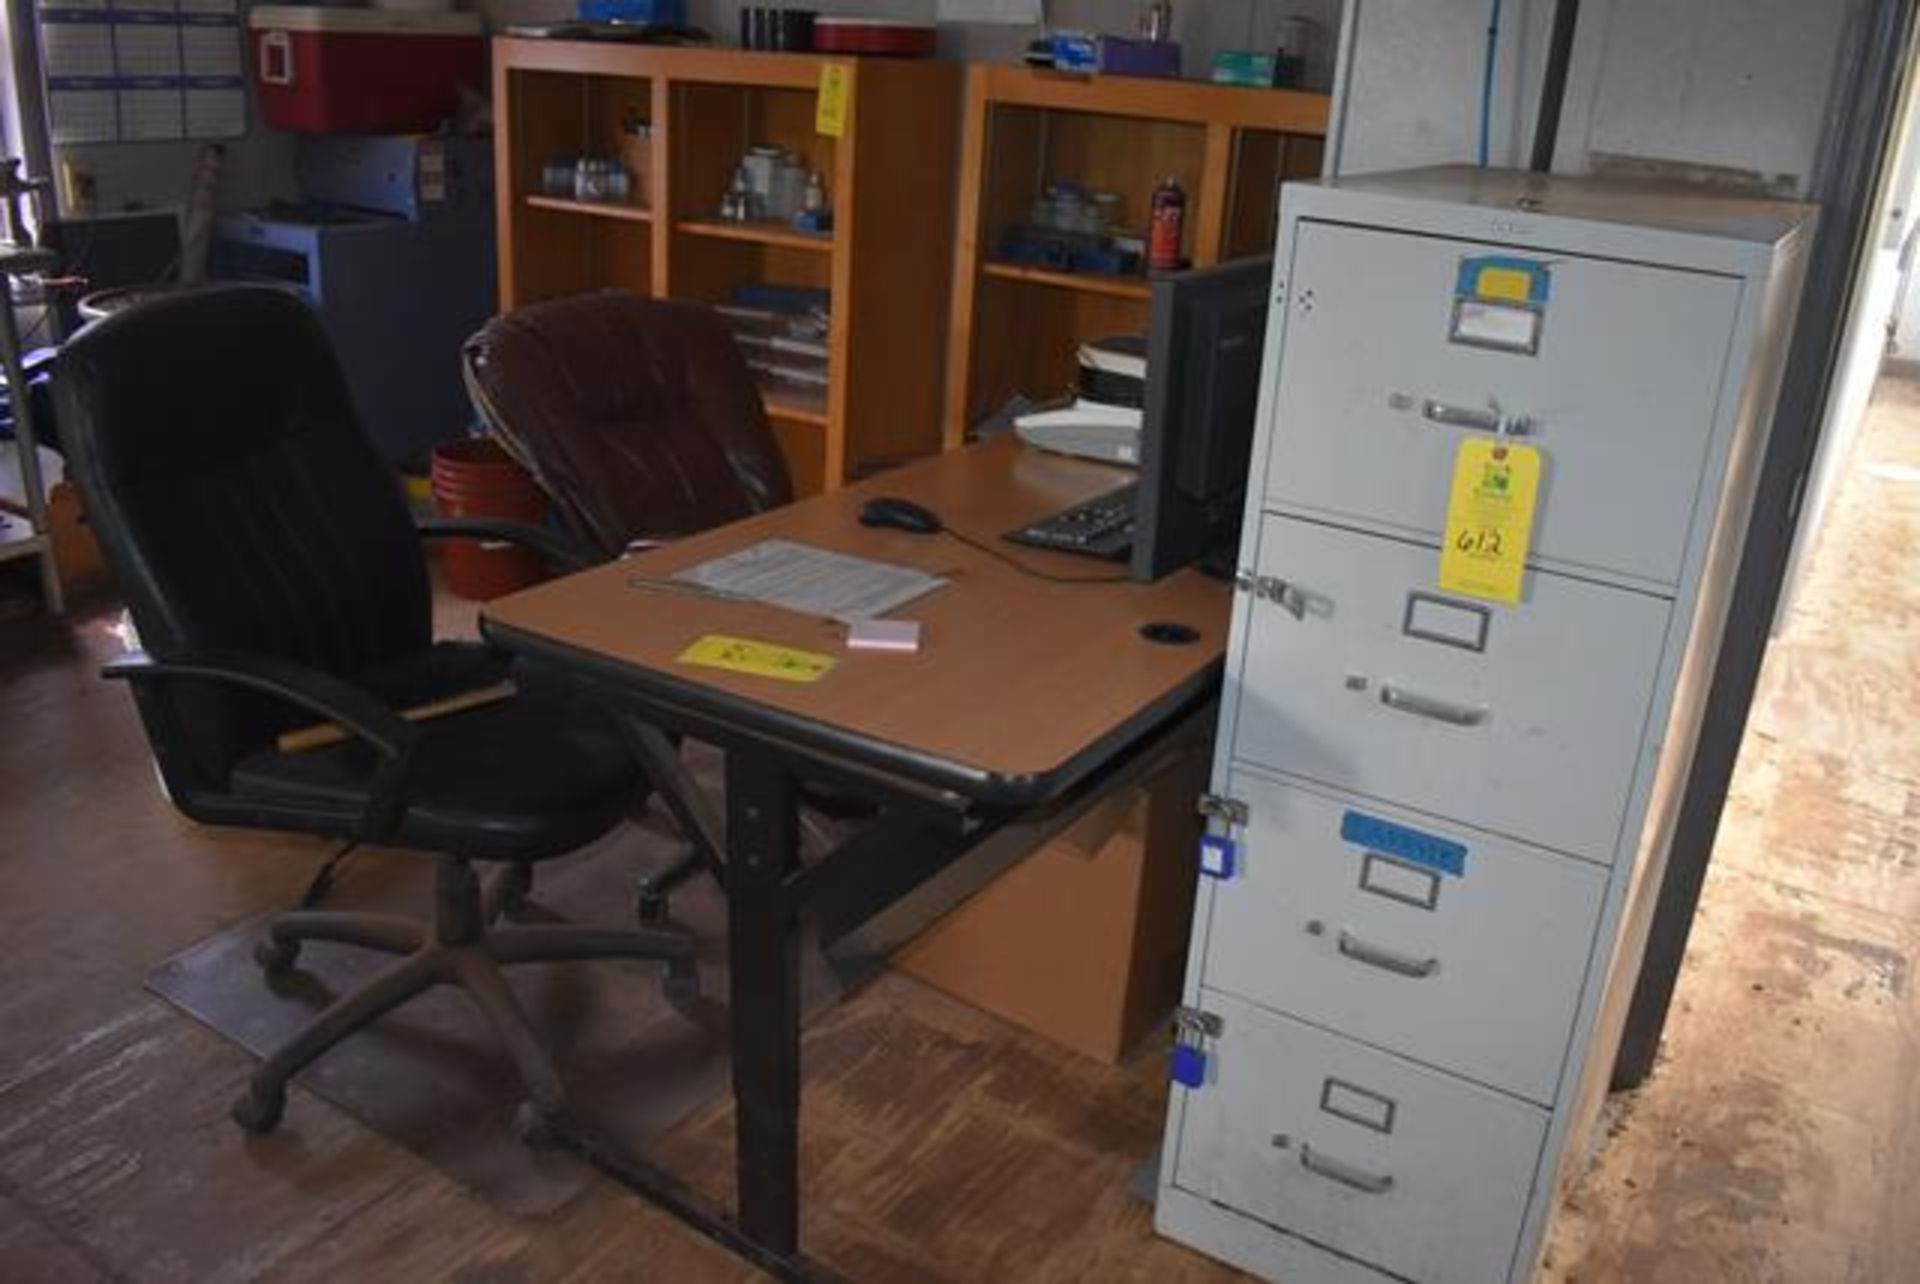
point(1166, 226)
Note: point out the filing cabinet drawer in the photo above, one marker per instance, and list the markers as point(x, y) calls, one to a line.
point(1623, 392)
point(1526, 720)
point(1411, 1171)
point(1450, 947)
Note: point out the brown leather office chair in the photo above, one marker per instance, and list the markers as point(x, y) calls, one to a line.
point(640, 420)
point(637, 416)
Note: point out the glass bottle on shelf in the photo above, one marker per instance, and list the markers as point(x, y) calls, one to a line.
point(1156, 21)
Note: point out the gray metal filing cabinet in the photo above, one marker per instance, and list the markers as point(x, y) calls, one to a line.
point(1438, 821)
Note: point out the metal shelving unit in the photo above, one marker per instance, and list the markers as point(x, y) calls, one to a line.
point(37, 541)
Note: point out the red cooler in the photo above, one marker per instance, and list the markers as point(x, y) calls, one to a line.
point(363, 71)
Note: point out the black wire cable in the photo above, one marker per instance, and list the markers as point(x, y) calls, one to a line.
point(322, 885)
point(1048, 576)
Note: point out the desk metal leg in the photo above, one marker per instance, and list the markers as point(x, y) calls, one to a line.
point(763, 812)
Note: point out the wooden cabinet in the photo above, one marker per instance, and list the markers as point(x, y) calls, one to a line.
point(1017, 326)
point(889, 177)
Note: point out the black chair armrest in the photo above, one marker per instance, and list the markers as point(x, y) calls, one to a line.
point(560, 551)
point(321, 694)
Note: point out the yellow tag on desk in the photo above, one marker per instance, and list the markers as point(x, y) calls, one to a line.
point(830, 105)
point(1489, 518)
point(762, 659)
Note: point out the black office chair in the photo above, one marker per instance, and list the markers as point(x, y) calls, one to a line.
point(275, 579)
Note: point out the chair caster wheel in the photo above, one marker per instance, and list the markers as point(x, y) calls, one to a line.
point(275, 955)
point(651, 906)
point(538, 1127)
point(259, 1113)
point(681, 984)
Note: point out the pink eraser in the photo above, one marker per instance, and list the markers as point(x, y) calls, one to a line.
point(884, 635)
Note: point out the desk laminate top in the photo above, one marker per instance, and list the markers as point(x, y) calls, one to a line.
point(1020, 685)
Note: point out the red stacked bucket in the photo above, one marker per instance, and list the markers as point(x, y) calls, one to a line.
point(476, 478)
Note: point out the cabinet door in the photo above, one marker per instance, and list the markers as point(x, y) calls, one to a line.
point(1451, 947)
point(1419, 1174)
point(1623, 393)
point(1525, 720)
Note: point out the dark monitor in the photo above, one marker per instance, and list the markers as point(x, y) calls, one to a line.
point(1204, 348)
point(116, 251)
point(112, 252)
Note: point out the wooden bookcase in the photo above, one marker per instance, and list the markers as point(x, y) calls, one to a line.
point(1016, 328)
point(889, 175)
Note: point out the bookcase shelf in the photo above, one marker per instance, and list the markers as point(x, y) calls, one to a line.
point(1015, 328)
point(593, 209)
point(889, 176)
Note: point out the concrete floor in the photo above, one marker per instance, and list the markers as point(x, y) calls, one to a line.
point(1778, 1141)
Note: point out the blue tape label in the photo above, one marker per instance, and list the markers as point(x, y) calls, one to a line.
point(1428, 851)
point(1219, 856)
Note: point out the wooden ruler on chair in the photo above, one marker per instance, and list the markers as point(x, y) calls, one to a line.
point(322, 734)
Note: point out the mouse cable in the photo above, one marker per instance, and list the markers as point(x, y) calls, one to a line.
point(1036, 573)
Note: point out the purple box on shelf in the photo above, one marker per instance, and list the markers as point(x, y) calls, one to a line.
point(1120, 56)
point(671, 13)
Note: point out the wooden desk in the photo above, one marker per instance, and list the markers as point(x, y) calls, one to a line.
point(1025, 695)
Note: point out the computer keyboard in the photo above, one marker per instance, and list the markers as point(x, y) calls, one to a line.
point(1101, 527)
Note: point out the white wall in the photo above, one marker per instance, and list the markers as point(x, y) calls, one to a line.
point(259, 167)
point(1735, 85)
point(1906, 334)
point(1863, 352)
point(1412, 80)
point(1905, 347)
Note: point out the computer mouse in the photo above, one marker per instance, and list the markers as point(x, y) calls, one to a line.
point(900, 514)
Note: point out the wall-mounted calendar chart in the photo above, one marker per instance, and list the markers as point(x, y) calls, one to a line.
point(143, 70)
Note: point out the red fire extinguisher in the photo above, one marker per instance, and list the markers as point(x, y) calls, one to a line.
point(1166, 226)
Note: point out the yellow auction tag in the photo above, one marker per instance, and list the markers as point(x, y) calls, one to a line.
point(830, 104)
point(1489, 518)
point(1506, 284)
point(762, 659)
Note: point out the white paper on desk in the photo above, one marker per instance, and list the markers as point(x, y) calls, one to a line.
point(813, 581)
point(1023, 12)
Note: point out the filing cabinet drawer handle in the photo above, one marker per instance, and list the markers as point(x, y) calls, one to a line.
point(1386, 960)
point(1421, 706)
point(1345, 1174)
point(1452, 416)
